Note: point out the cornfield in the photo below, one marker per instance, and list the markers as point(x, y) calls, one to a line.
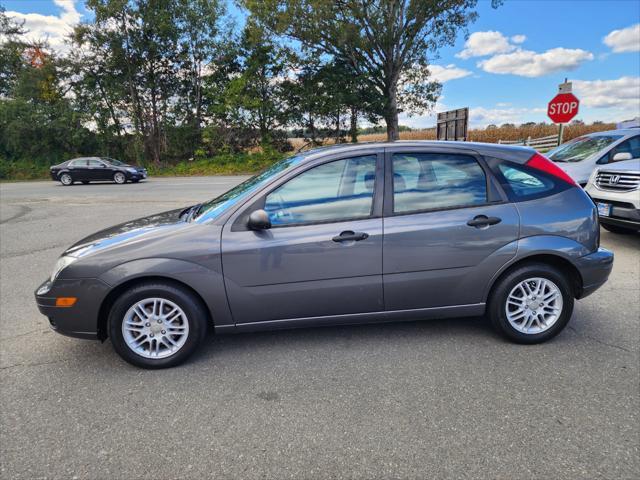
point(489, 136)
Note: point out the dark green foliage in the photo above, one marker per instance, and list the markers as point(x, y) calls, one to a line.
point(174, 85)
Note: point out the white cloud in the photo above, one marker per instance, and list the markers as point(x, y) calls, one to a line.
point(622, 93)
point(528, 63)
point(518, 38)
point(52, 28)
point(480, 117)
point(480, 44)
point(624, 40)
point(449, 72)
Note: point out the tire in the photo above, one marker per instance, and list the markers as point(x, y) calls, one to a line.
point(85, 182)
point(151, 336)
point(120, 178)
point(617, 229)
point(66, 179)
point(544, 325)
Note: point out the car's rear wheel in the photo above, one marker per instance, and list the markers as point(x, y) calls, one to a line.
point(119, 178)
point(531, 304)
point(617, 229)
point(66, 179)
point(157, 325)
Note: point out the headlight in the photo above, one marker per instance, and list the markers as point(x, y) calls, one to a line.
point(61, 264)
point(131, 170)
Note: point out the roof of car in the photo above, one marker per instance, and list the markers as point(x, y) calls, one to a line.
point(516, 153)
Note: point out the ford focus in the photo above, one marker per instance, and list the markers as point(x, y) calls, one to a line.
point(341, 235)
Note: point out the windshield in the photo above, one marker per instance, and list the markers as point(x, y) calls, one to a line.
point(113, 161)
point(581, 148)
point(213, 208)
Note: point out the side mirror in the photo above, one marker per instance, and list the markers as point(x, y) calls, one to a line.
point(621, 156)
point(259, 220)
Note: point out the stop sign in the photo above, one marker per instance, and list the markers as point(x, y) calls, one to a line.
point(563, 107)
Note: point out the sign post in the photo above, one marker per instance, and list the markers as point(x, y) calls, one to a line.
point(453, 125)
point(563, 107)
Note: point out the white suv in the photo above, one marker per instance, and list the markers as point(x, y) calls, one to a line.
point(581, 156)
point(615, 189)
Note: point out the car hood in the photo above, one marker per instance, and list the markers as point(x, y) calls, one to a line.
point(579, 171)
point(127, 233)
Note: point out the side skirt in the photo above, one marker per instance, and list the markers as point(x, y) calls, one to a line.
point(471, 310)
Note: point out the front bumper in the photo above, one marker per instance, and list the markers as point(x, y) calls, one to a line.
point(594, 270)
point(80, 320)
point(139, 175)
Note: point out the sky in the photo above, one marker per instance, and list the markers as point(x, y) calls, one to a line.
point(505, 71)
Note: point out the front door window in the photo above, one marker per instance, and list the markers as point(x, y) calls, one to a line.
point(331, 192)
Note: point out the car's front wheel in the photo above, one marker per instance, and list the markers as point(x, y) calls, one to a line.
point(157, 325)
point(119, 178)
point(66, 179)
point(531, 304)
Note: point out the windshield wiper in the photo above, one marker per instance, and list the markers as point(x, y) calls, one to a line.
point(189, 212)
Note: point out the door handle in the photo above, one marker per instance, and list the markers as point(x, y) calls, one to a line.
point(350, 236)
point(480, 221)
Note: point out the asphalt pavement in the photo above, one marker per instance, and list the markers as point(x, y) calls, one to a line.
point(433, 399)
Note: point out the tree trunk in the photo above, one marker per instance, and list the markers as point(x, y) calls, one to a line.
point(353, 131)
point(391, 114)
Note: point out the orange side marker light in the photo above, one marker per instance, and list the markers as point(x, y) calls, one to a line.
point(65, 301)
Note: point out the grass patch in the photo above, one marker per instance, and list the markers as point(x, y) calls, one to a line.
point(223, 164)
point(22, 170)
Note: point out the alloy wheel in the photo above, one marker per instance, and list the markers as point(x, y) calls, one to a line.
point(119, 178)
point(155, 328)
point(534, 305)
point(66, 179)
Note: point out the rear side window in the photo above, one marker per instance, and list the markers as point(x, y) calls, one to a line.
point(525, 183)
point(429, 181)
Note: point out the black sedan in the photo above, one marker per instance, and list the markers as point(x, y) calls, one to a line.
point(96, 169)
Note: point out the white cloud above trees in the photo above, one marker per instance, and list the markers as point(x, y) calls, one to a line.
point(624, 40)
point(506, 56)
point(50, 28)
point(623, 92)
point(448, 72)
point(527, 63)
point(480, 44)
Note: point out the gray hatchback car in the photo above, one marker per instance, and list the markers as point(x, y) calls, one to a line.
point(341, 235)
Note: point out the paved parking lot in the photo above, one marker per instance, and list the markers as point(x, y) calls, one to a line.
point(442, 399)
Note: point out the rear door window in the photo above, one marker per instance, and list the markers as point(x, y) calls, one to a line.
point(432, 181)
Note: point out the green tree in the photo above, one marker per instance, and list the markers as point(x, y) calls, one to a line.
point(12, 47)
point(146, 62)
point(387, 42)
point(257, 97)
